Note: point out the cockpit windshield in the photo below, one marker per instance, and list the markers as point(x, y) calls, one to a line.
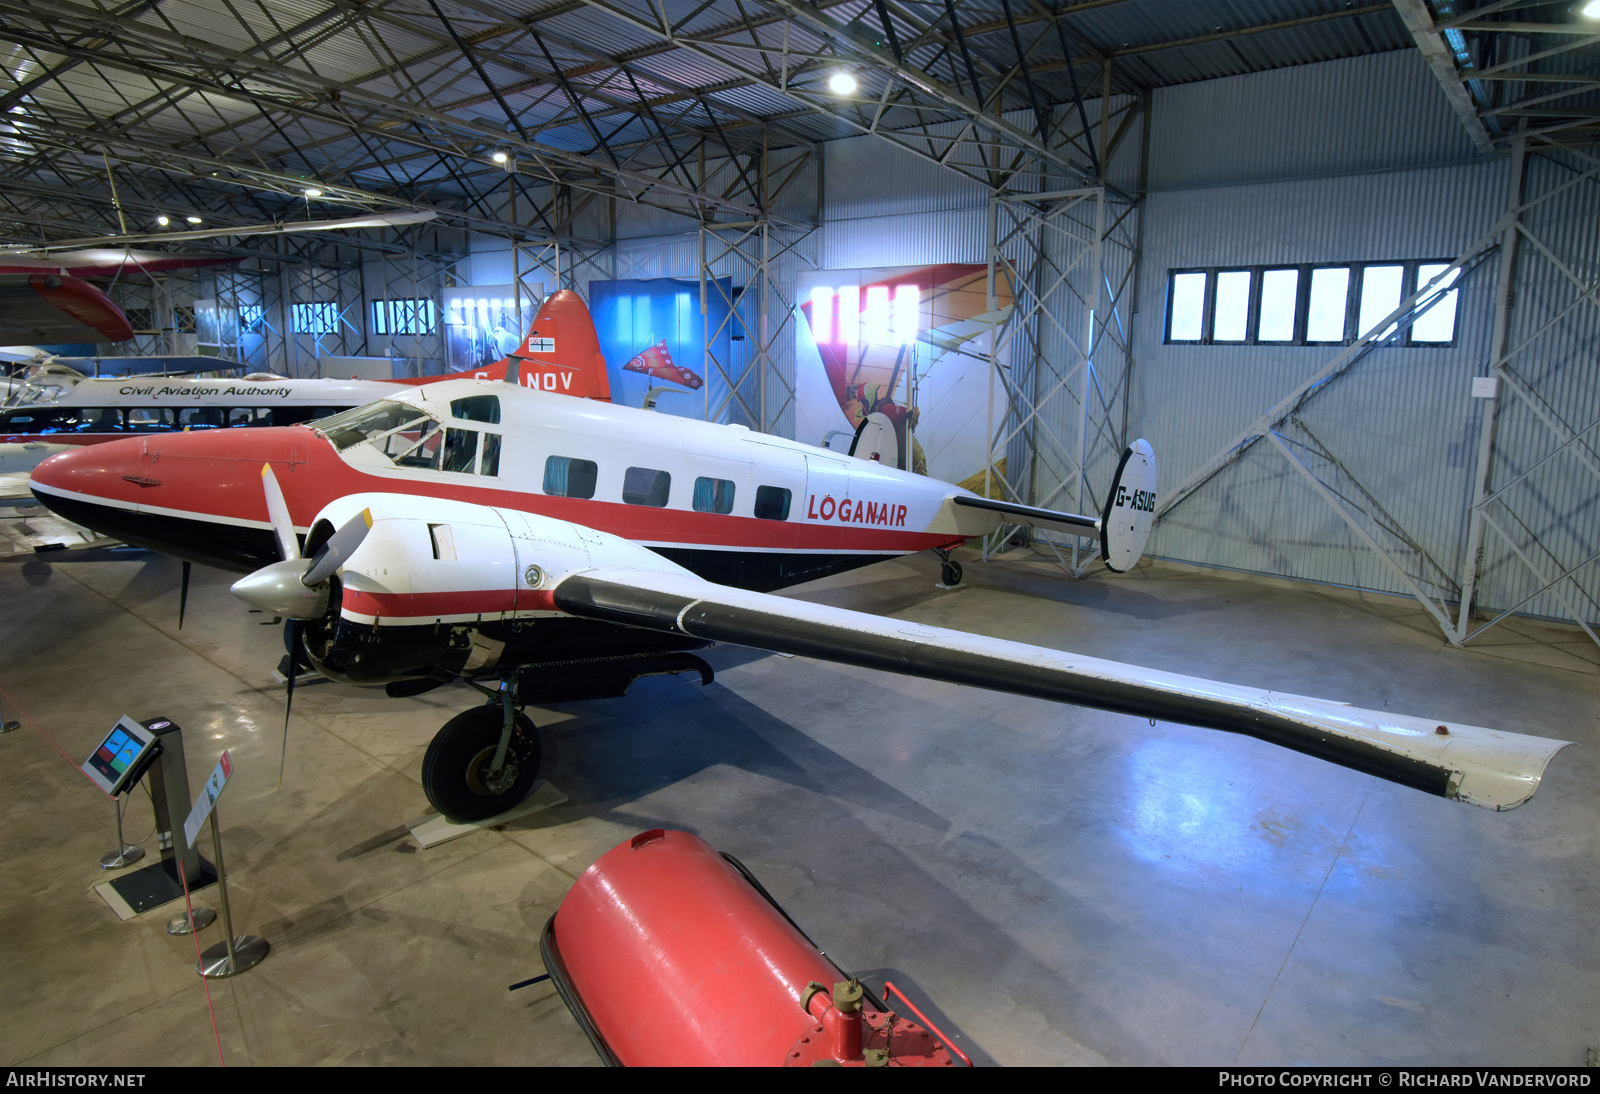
point(407, 435)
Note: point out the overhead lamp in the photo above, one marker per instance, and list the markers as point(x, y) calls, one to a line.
point(163, 221)
point(844, 83)
point(192, 220)
point(311, 192)
point(502, 156)
point(1591, 10)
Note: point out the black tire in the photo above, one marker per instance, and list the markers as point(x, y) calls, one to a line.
point(455, 769)
point(951, 572)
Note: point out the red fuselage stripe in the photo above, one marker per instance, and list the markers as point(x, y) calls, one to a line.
point(224, 483)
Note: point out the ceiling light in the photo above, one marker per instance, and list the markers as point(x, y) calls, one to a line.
point(192, 220)
point(501, 156)
point(841, 83)
point(1591, 10)
point(163, 221)
point(311, 192)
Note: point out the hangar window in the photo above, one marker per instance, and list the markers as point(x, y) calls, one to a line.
point(1187, 308)
point(565, 477)
point(772, 503)
point(403, 316)
point(713, 495)
point(1327, 315)
point(1280, 301)
point(1308, 305)
point(316, 318)
point(645, 486)
point(1231, 322)
point(1380, 295)
point(1437, 323)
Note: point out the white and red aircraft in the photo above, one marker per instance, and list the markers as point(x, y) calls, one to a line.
point(549, 549)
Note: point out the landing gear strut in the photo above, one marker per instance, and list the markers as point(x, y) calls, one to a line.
point(484, 761)
point(949, 570)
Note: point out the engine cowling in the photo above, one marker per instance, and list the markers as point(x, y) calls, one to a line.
point(438, 586)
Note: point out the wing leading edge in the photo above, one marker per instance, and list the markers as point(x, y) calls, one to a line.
point(1472, 764)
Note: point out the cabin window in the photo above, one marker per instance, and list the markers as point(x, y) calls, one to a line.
point(491, 455)
point(565, 477)
point(48, 420)
point(250, 416)
point(772, 503)
point(151, 419)
point(374, 422)
point(200, 417)
point(713, 495)
point(460, 450)
point(477, 408)
point(646, 486)
point(296, 415)
point(418, 447)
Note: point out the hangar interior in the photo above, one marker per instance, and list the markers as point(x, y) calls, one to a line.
point(1336, 261)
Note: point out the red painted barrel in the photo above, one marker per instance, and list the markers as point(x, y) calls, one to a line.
point(679, 961)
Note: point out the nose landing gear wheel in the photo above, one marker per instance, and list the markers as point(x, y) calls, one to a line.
point(951, 573)
point(456, 772)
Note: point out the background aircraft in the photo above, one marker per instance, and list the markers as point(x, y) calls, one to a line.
point(45, 300)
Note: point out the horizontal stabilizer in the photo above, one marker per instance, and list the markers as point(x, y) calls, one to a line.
point(1123, 528)
point(1032, 515)
point(1484, 767)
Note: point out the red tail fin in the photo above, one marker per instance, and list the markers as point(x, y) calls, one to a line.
point(561, 353)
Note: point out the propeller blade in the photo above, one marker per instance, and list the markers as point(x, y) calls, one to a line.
point(340, 546)
point(278, 514)
point(291, 635)
point(183, 594)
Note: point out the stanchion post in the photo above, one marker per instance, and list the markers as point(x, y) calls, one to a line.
point(231, 955)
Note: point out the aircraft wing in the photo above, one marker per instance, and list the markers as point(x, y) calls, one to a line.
point(1472, 764)
point(53, 308)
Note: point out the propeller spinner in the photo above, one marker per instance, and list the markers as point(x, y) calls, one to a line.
point(295, 587)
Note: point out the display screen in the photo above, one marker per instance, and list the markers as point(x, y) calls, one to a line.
point(123, 747)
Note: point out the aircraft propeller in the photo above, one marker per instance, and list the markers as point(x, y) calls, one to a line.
point(296, 588)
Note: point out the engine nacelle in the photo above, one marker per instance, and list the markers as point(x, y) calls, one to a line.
point(439, 588)
point(433, 560)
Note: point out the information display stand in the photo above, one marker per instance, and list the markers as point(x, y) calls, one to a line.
point(163, 762)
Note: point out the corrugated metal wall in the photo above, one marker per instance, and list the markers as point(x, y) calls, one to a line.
point(1400, 420)
point(1549, 503)
point(1355, 160)
point(1362, 113)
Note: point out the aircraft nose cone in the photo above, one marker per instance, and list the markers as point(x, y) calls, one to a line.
point(197, 496)
point(106, 474)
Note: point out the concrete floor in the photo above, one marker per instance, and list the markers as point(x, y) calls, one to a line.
point(1065, 886)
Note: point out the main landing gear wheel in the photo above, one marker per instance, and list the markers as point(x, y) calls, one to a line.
point(950, 572)
point(456, 773)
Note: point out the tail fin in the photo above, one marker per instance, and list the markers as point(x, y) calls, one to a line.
point(561, 353)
